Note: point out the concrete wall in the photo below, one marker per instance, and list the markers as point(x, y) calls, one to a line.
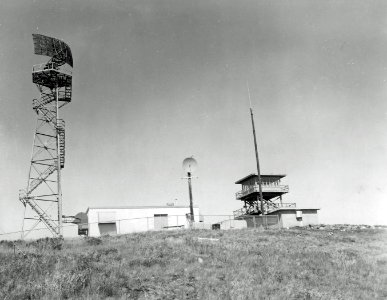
point(233, 224)
point(310, 217)
point(201, 225)
point(288, 218)
point(265, 221)
point(129, 220)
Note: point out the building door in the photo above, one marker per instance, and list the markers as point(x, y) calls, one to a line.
point(299, 217)
point(161, 221)
point(107, 228)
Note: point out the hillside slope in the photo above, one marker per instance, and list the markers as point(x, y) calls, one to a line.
point(199, 264)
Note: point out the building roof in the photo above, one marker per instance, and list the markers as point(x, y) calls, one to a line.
point(139, 207)
point(292, 209)
point(255, 175)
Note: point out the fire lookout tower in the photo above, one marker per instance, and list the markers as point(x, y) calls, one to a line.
point(272, 191)
point(262, 195)
point(42, 197)
point(259, 191)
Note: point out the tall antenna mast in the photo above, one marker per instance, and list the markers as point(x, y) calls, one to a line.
point(256, 152)
point(42, 198)
point(189, 166)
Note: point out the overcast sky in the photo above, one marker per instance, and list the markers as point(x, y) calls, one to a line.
point(157, 81)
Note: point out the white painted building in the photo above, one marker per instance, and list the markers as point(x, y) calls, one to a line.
point(291, 216)
point(127, 219)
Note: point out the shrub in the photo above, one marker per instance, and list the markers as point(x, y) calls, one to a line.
point(93, 241)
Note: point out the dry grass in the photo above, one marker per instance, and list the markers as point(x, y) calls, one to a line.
point(243, 264)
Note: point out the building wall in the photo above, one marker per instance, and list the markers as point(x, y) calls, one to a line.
point(265, 221)
point(129, 220)
point(233, 224)
point(310, 217)
point(288, 218)
point(201, 225)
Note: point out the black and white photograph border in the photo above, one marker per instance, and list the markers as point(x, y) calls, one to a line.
point(182, 149)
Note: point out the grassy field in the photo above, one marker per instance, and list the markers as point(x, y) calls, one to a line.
point(241, 264)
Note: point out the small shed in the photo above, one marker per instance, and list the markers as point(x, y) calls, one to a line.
point(291, 217)
point(127, 219)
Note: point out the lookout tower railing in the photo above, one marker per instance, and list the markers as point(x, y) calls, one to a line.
point(274, 206)
point(266, 188)
point(239, 212)
point(269, 208)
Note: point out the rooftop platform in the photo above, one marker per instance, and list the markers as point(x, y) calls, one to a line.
point(290, 209)
point(51, 76)
point(265, 177)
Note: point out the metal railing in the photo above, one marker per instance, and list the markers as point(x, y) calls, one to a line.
point(269, 207)
point(239, 212)
point(274, 206)
point(51, 67)
point(265, 188)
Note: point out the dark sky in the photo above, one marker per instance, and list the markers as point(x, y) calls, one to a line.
point(157, 81)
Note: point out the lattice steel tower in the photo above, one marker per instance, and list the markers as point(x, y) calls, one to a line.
point(42, 198)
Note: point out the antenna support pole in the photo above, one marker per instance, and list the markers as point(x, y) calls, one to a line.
point(257, 159)
point(256, 152)
point(190, 196)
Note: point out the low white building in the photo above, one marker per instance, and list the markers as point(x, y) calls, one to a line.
point(292, 216)
point(127, 219)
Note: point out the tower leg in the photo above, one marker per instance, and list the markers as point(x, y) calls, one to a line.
point(58, 161)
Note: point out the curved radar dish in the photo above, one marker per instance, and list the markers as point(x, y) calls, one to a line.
point(58, 50)
point(189, 165)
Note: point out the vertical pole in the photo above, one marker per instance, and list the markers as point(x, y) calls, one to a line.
point(60, 228)
point(190, 197)
point(256, 153)
point(257, 160)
